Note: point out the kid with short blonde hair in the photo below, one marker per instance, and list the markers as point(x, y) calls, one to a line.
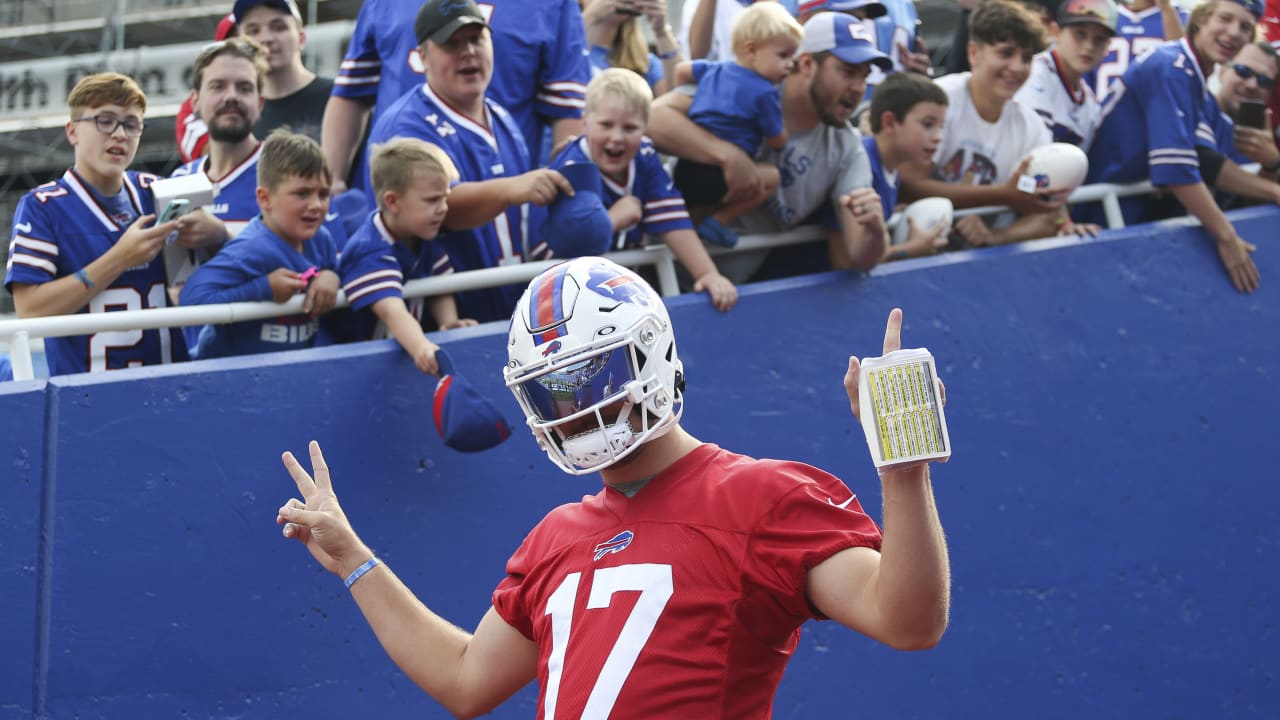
point(411, 180)
point(634, 186)
point(739, 102)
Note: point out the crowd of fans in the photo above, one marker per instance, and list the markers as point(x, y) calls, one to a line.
point(456, 136)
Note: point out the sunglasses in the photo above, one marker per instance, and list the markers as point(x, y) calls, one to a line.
point(1245, 72)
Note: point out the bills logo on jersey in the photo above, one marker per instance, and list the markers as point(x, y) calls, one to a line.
point(616, 544)
point(623, 287)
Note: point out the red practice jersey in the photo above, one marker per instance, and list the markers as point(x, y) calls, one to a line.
point(685, 600)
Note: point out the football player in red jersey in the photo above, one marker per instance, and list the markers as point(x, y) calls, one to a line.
point(721, 557)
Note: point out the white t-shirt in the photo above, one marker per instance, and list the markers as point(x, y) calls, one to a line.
point(1071, 116)
point(978, 152)
point(727, 12)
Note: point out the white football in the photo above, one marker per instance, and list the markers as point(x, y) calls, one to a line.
point(1060, 166)
point(927, 214)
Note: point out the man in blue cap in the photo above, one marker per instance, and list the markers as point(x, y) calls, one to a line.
point(826, 177)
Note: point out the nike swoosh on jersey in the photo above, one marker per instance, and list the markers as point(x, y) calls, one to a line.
point(842, 505)
point(388, 258)
point(330, 217)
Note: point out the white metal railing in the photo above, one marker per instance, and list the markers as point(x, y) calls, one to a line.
point(20, 332)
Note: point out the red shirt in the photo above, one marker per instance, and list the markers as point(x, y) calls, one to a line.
point(684, 600)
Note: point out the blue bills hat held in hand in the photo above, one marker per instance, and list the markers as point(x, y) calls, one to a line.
point(465, 419)
point(579, 226)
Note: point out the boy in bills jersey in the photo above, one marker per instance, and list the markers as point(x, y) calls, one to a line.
point(680, 588)
point(86, 242)
point(1141, 26)
point(411, 179)
point(496, 212)
point(635, 187)
point(1056, 90)
point(1160, 121)
point(989, 133)
point(907, 116)
point(283, 251)
point(540, 81)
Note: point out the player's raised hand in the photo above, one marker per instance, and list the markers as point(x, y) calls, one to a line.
point(140, 244)
point(317, 520)
point(892, 341)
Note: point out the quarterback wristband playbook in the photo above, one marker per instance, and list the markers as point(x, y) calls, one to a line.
point(359, 572)
point(901, 408)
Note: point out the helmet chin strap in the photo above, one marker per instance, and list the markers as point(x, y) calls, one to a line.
point(590, 448)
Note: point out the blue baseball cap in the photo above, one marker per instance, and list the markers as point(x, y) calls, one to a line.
point(465, 419)
point(579, 225)
point(1253, 6)
point(843, 36)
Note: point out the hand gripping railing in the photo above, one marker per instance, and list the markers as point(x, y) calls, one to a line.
point(20, 332)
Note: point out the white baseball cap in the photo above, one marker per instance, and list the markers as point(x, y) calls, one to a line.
point(845, 37)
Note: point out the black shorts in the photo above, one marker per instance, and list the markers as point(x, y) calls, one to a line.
point(702, 185)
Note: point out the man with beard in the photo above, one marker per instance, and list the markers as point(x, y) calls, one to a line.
point(227, 81)
point(825, 174)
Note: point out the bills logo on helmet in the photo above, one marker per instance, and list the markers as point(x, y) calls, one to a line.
point(623, 287)
point(616, 544)
point(553, 346)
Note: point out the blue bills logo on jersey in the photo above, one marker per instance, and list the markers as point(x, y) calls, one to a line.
point(616, 544)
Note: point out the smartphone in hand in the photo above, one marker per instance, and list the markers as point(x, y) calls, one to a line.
point(176, 208)
point(1252, 113)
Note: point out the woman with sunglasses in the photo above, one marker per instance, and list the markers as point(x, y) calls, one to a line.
point(1161, 122)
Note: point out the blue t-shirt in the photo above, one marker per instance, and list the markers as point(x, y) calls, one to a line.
point(480, 154)
point(883, 182)
point(238, 273)
point(61, 227)
point(663, 205)
point(735, 104)
point(375, 266)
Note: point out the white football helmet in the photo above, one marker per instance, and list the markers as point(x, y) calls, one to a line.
point(592, 362)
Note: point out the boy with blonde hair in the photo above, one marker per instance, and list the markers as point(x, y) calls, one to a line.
point(283, 251)
point(85, 243)
point(635, 188)
point(739, 102)
point(411, 180)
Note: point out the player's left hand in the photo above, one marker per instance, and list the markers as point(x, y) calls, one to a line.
point(892, 341)
point(322, 294)
point(198, 229)
point(722, 291)
point(317, 520)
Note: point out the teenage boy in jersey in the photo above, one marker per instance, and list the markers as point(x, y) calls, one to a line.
point(907, 115)
point(496, 211)
point(1160, 119)
point(86, 242)
point(1056, 89)
point(283, 251)
point(988, 133)
point(680, 589)
point(1141, 26)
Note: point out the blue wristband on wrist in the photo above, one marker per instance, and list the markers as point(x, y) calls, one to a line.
point(359, 572)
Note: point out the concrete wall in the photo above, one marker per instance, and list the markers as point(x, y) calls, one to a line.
point(1111, 507)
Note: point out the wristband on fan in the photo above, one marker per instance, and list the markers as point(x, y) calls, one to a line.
point(83, 277)
point(359, 572)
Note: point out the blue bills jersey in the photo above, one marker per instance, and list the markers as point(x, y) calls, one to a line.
point(1152, 121)
point(540, 68)
point(238, 273)
point(1138, 33)
point(648, 181)
point(374, 266)
point(235, 199)
point(61, 227)
point(480, 154)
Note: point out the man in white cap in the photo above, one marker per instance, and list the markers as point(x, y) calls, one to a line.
point(826, 177)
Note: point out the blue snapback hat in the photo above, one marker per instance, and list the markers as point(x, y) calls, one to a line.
point(579, 225)
point(465, 419)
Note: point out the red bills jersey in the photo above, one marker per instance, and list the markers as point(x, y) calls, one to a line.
point(685, 600)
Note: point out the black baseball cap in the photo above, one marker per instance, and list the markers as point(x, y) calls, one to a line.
point(242, 7)
point(438, 20)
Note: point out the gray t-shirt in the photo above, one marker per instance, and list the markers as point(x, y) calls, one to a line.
point(817, 165)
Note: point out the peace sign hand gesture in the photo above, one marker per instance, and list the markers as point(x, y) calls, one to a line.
point(317, 521)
